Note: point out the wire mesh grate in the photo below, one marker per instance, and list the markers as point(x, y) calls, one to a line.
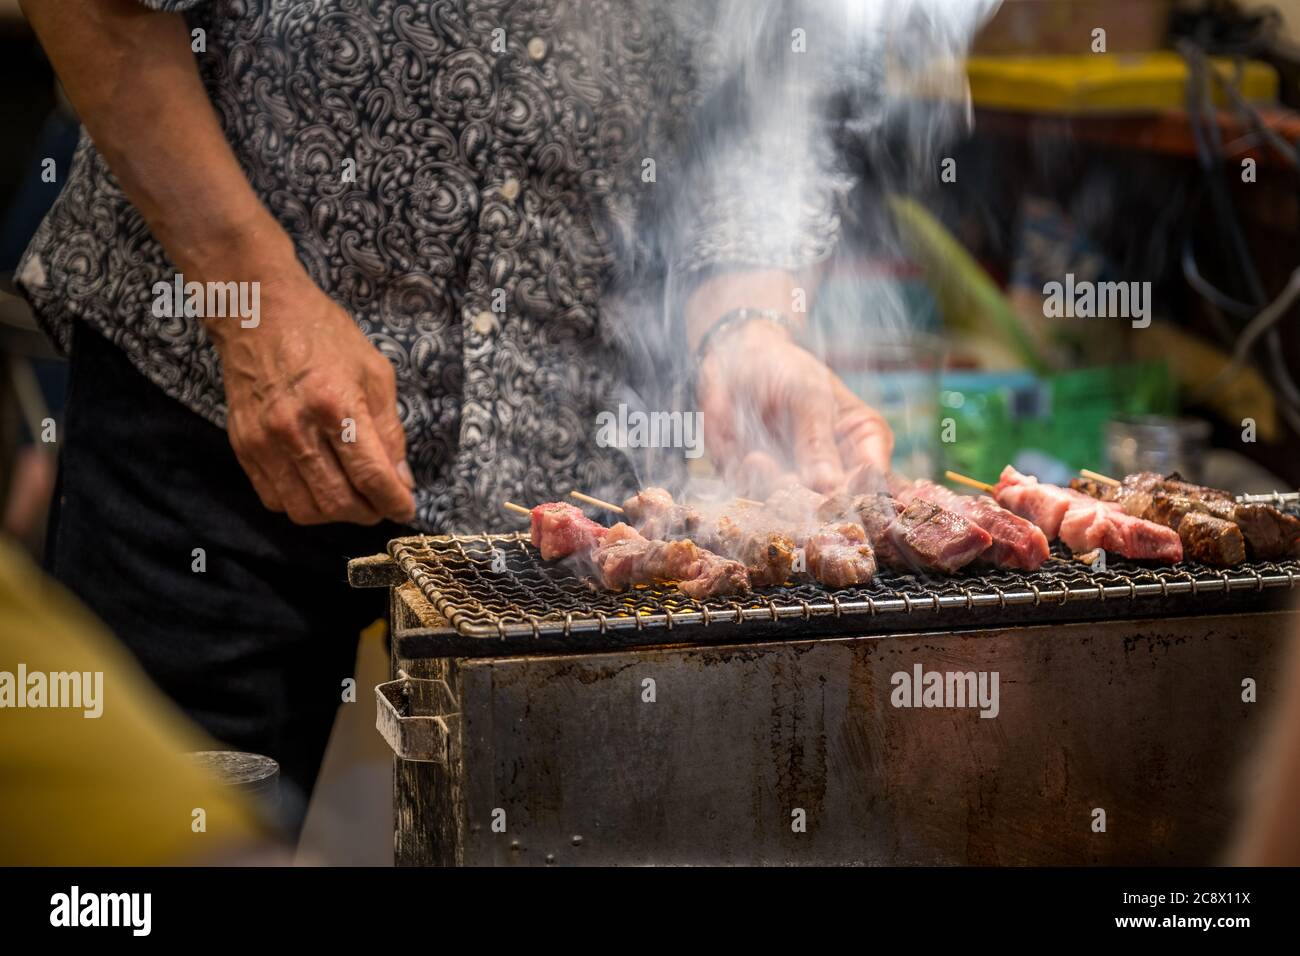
point(498, 586)
point(1288, 501)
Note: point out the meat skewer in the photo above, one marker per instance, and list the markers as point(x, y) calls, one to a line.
point(764, 541)
point(920, 536)
point(1017, 543)
point(1269, 533)
point(622, 556)
point(1206, 538)
point(1083, 523)
point(625, 557)
point(838, 535)
point(560, 530)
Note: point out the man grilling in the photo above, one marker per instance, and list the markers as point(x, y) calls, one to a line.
point(436, 205)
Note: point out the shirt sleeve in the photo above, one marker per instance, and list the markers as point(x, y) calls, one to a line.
point(752, 209)
point(761, 182)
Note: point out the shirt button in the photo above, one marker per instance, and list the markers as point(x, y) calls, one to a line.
point(510, 190)
point(537, 48)
point(484, 322)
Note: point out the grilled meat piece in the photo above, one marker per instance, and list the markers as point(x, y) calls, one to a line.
point(656, 515)
point(838, 555)
point(625, 557)
point(1091, 524)
point(1271, 534)
point(932, 538)
point(622, 556)
point(876, 513)
point(559, 530)
point(1094, 489)
point(1017, 543)
point(918, 536)
point(767, 555)
point(1211, 540)
point(715, 576)
point(794, 503)
point(1024, 495)
point(1175, 483)
point(1208, 538)
point(840, 506)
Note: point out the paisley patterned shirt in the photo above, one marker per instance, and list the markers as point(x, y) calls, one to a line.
point(498, 150)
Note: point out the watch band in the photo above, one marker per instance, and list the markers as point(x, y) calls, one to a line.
point(738, 317)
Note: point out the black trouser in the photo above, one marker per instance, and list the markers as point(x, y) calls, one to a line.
point(256, 647)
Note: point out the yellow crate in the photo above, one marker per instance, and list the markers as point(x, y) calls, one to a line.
point(1102, 82)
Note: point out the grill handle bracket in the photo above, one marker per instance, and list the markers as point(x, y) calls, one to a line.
point(418, 718)
point(375, 571)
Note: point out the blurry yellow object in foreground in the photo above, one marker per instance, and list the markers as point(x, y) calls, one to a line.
point(86, 790)
point(1102, 82)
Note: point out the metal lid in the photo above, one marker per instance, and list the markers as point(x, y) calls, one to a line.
point(247, 773)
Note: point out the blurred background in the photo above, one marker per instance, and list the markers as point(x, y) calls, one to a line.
point(1170, 158)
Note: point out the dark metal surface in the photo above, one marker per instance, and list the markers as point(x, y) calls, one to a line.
point(496, 587)
point(1144, 720)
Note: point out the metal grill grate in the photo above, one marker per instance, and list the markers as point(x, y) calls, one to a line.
point(1288, 501)
point(497, 586)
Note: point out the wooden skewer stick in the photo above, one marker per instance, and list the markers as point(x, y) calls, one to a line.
point(588, 499)
point(969, 482)
point(1097, 476)
point(517, 509)
point(749, 501)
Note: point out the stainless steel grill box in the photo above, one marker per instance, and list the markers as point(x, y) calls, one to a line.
point(537, 721)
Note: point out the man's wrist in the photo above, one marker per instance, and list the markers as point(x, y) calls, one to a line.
point(256, 247)
point(744, 322)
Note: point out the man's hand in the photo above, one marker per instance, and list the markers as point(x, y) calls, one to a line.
point(769, 405)
point(292, 384)
point(292, 380)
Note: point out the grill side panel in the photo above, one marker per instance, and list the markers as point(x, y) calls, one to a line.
point(1141, 719)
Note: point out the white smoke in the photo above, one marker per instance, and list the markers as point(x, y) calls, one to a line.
point(810, 114)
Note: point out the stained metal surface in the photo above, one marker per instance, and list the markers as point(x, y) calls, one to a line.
point(1142, 719)
point(496, 587)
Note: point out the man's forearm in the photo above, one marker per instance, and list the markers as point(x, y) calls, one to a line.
point(132, 77)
